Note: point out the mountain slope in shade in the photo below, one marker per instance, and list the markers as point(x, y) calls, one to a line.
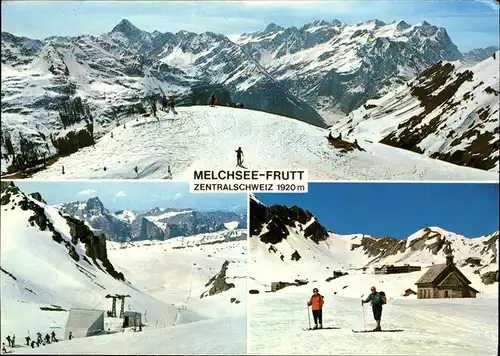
point(50, 260)
point(449, 112)
point(206, 138)
point(281, 244)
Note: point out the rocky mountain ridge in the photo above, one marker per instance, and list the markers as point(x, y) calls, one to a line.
point(95, 245)
point(155, 224)
point(448, 112)
point(274, 225)
point(63, 93)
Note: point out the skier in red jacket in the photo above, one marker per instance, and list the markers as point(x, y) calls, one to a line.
point(316, 303)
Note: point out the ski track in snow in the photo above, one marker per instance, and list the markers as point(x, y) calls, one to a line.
point(206, 138)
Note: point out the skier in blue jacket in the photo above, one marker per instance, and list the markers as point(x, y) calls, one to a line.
point(376, 300)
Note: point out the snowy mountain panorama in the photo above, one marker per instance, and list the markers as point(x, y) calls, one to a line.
point(290, 253)
point(59, 275)
point(62, 94)
point(449, 112)
point(155, 224)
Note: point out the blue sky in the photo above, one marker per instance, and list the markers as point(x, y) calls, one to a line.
point(398, 210)
point(138, 196)
point(470, 23)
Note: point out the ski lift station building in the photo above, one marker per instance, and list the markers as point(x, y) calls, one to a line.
point(132, 318)
point(84, 322)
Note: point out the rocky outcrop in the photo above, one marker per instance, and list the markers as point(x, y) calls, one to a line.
point(489, 277)
point(95, 246)
point(156, 224)
point(99, 218)
point(143, 229)
point(218, 282)
point(7, 189)
point(277, 219)
point(38, 197)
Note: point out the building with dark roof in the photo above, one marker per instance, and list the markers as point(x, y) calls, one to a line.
point(444, 281)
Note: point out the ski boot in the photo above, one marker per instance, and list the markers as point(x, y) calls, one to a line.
point(315, 327)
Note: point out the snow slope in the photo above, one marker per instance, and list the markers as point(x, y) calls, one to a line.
point(221, 336)
point(462, 124)
point(177, 270)
point(205, 138)
point(164, 279)
point(46, 275)
point(341, 253)
point(277, 234)
point(431, 327)
point(436, 326)
point(316, 73)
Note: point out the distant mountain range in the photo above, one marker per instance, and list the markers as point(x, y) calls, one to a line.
point(155, 224)
point(290, 236)
point(449, 112)
point(63, 93)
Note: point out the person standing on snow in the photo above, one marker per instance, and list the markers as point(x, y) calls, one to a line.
point(239, 157)
point(163, 102)
point(212, 100)
point(153, 109)
point(376, 302)
point(316, 303)
point(172, 102)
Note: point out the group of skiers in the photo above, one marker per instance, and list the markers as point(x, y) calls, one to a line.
point(31, 342)
point(375, 299)
point(164, 105)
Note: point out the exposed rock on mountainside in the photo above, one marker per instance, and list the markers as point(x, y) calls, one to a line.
point(95, 246)
point(480, 54)
point(277, 219)
point(449, 112)
point(156, 224)
point(281, 227)
point(321, 70)
point(218, 282)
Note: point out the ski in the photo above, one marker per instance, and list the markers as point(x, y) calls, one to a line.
point(327, 328)
point(380, 331)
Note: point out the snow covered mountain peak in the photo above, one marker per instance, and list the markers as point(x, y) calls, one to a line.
point(63, 94)
point(449, 111)
point(281, 231)
point(126, 28)
point(272, 27)
point(402, 25)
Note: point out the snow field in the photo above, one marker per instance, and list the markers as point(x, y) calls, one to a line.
point(431, 327)
point(206, 138)
point(164, 283)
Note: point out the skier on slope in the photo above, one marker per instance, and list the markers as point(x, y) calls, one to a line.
point(316, 303)
point(376, 300)
point(239, 157)
point(212, 100)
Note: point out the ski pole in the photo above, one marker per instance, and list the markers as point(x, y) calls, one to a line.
point(363, 311)
point(308, 316)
